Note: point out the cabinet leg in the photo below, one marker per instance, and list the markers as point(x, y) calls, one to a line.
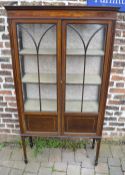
point(31, 141)
point(97, 151)
point(93, 144)
point(24, 149)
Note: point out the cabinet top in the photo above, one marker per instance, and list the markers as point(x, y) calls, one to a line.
point(8, 8)
point(61, 12)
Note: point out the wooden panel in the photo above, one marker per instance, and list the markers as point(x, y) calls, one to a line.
point(80, 124)
point(41, 123)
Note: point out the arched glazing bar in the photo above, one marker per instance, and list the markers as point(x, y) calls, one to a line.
point(37, 47)
point(85, 46)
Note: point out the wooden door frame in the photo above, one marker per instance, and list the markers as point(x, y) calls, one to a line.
point(105, 73)
point(17, 74)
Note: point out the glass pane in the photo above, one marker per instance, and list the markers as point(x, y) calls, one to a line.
point(84, 62)
point(37, 54)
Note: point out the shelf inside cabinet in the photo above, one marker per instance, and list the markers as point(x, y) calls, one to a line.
point(75, 105)
point(43, 51)
point(34, 105)
point(70, 78)
point(72, 52)
point(78, 79)
point(51, 105)
point(44, 78)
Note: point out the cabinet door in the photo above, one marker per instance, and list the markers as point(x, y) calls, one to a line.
point(38, 59)
point(84, 50)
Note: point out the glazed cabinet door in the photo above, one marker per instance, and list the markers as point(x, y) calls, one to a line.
point(39, 62)
point(83, 57)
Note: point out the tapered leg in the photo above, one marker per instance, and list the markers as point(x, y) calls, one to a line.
point(97, 151)
point(31, 141)
point(93, 144)
point(24, 149)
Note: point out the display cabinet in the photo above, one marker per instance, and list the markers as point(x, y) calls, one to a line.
point(61, 62)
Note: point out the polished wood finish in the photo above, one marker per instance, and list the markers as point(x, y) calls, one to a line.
point(41, 123)
point(61, 12)
point(85, 8)
point(61, 123)
point(97, 150)
point(80, 124)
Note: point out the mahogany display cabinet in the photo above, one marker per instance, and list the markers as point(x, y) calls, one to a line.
point(61, 62)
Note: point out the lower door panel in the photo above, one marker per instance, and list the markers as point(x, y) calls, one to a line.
point(41, 123)
point(80, 124)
